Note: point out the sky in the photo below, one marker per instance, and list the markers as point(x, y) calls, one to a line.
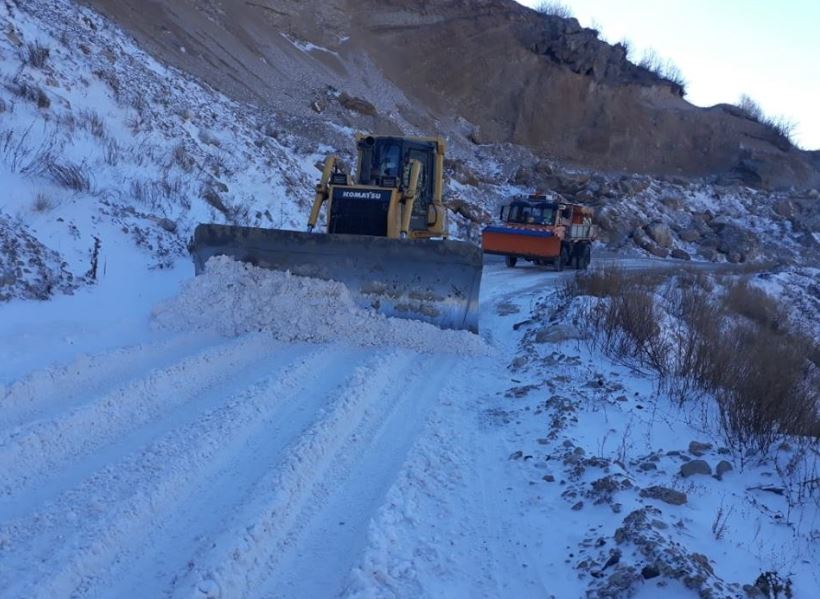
point(767, 49)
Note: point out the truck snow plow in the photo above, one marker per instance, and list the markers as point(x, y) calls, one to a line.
point(542, 231)
point(385, 237)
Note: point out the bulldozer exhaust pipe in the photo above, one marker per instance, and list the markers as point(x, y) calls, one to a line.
point(435, 281)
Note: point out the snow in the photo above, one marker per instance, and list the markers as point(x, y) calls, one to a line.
point(230, 451)
point(248, 433)
point(233, 298)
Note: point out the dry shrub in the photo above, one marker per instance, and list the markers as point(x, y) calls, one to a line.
point(158, 194)
point(755, 305)
point(782, 127)
point(624, 325)
point(32, 93)
point(93, 122)
point(553, 8)
point(70, 175)
point(182, 158)
point(733, 347)
point(42, 203)
point(35, 55)
point(112, 153)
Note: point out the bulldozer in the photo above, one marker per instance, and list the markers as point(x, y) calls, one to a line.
point(385, 236)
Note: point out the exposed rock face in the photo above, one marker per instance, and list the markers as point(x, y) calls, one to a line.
point(566, 43)
point(489, 71)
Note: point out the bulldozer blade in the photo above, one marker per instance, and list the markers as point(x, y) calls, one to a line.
point(436, 281)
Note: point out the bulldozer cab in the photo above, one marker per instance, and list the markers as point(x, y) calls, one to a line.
point(385, 162)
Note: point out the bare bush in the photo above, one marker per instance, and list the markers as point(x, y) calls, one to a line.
point(22, 156)
point(554, 8)
point(158, 194)
point(663, 68)
point(42, 203)
point(782, 127)
point(755, 305)
point(752, 109)
point(624, 325)
point(734, 348)
point(70, 175)
point(182, 158)
point(626, 44)
point(92, 121)
point(111, 80)
point(112, 153)
point(32, 93)
point(35, 55)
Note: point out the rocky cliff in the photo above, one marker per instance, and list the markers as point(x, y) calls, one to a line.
point(488, 70)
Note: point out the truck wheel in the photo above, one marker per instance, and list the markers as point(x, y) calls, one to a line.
point(586, 256)
point(511, 260)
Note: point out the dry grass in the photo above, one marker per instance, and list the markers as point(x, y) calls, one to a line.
point(734, 347)
point(554, 8)
point(663, 68)
point(42, 203)
point(92, 121)
point(32, 93)
point(781, 127)
point(35, 55)
point(70, 175)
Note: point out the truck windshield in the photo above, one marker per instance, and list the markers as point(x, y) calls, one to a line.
point(532, 215)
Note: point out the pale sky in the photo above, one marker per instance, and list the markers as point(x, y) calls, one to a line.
point(768, 49)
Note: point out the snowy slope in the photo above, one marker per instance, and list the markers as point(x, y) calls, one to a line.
point(162, 435)
point(99, 141)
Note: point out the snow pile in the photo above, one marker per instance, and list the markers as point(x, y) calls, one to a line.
point(234, 298)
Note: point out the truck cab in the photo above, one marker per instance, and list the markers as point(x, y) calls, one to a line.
point(543, 231)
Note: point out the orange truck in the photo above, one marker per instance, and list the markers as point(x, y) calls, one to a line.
point(542, 231)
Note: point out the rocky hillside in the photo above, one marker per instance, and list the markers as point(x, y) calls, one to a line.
point(488, 71)
point(111, 157)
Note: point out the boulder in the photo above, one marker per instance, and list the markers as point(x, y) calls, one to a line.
point(690, 235)
point(660, 233)
point(697, 448)
point(658, 251)
point(737, 243)
point(679, 254)
point(167, 224)
point(722, 468)
point(357, 104)
point(665, 494)
point(695, 467)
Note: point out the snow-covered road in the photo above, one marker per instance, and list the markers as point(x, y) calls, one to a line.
point(186, 463)
point(230, 467)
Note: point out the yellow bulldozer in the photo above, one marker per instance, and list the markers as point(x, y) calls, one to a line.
point(385, 236)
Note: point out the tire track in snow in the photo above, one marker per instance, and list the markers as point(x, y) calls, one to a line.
point(180, 537)
point(323, 552)
point(28, 453)
point(116, 509)
point(428, 538)
point(294, 504)
point(61, 387)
